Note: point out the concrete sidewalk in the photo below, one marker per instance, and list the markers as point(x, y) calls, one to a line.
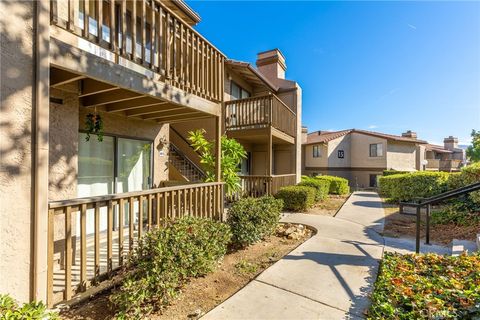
point(327, 277)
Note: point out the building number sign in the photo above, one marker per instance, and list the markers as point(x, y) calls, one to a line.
point(341, 154)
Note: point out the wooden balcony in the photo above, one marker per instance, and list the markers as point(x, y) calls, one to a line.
point(258, 113)
point(443, 165)
point(89, 238)
point(257, 186)
point(146, 33)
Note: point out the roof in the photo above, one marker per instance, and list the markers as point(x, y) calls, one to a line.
point(251, 74)
point(437, 148)
point(326, 136)
point(181, 8)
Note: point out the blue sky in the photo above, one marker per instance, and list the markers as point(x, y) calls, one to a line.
point(383, 66)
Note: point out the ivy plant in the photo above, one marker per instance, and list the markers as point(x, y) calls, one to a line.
point(94, 125)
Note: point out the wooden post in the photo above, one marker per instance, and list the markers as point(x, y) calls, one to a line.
point(218, 148)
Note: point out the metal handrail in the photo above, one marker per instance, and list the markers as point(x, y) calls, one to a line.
point(427, 202)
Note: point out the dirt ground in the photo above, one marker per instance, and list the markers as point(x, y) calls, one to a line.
point(329, 206)
point(203, 294)
point(400, 225)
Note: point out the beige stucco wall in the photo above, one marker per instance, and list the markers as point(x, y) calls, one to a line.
point(16, 144)
point(341, 143)
point(401, 156)
point(320, 162)
point(360, 151)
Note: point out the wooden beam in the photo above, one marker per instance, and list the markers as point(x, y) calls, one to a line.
point(90, 87)
point(152, 109)
point(116, 95)
point(132, 104)
point(170, 114)
point(170, 121)
point(60, 77)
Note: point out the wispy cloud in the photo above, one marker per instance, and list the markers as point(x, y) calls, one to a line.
point(372, 126)
point(389, 93)
point(412, 26)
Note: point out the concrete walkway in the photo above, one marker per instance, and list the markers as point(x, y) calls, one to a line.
point(327, 277)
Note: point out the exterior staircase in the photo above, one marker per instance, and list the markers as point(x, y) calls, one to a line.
point(186, 167)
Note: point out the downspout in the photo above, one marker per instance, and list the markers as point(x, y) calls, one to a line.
point(40, 133)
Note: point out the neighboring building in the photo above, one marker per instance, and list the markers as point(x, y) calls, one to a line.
point(72, 209)
point(361, 156)
point(448, 157)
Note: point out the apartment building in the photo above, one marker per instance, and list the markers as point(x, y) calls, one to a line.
point(448, 157)
point(361, 156)
point(97, 101)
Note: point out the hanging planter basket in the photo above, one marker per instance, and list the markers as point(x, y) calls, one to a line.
point(94, 125)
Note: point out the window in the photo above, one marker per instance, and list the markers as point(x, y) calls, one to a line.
point(114, 165)
point(238, 92)
point(376, 150)
point(316, 152)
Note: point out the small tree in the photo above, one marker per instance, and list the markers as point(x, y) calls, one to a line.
point(232, 154)
point(473, 151)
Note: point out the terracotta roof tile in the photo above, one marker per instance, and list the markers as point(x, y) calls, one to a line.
point(325, 136)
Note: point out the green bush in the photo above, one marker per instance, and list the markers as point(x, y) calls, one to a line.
point(406, 187)
point(164, 259)
point(338, 185)
point(9, 309)
point(392, 172)
point(297, 198)
point(468, 175)
point(460, 213)
point(252, 219)
point(427, 286)
point(321, 186)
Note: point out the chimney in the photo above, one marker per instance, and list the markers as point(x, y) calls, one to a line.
point(304, 134)
point(450, 143)
point(410, 134)
point(271, 64)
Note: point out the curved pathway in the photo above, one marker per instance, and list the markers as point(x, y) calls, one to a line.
point(329, 276)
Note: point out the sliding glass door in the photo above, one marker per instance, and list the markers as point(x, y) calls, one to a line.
point(115, 165)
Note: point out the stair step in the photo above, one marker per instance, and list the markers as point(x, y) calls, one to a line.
point(459, 246)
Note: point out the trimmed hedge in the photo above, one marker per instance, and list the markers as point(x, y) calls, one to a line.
point(251, 219)
point(406, 187)
point(297, 198)
point(321, 186)
point(164, 260)
point(392, 172)
point(338, 185)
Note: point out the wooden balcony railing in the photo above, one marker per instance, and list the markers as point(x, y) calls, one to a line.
point(260, 112)
point(148, 33)
point(444, 165)
point(259, 185)
point(95, 234)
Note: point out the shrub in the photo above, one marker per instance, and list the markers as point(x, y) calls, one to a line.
point(392, 172)
point(9, 309)
point(426, 287)
point(338, 185)
point(252, 219)
point(460, 213)
point(406, 187)
point(297, 198)
point(164, 259)
point(321, 186)
point(469, 174)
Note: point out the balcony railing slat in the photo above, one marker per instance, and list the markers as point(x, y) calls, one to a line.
point(83, 249)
